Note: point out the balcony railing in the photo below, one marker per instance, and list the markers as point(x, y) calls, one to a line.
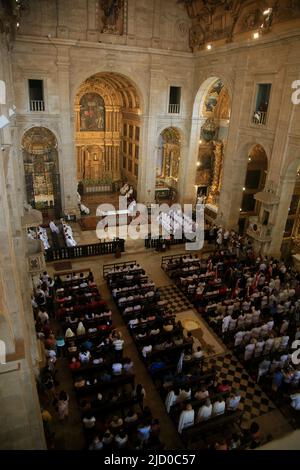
point(82, 251)
point(37, 105)
point(174, 108)
point(259, 117)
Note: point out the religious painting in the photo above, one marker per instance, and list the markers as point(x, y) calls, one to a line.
point(92, 113)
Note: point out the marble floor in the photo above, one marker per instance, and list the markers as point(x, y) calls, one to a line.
point(69, 435)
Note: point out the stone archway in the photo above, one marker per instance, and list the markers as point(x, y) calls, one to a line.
point(254, 182)
point(208, 137)
point(41, 166)
point(107, 107)
point(168, 157)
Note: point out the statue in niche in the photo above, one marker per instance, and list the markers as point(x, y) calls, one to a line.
point(92, 112)
point(205, 170)
point(250, 20)
point(217, 169)
point(209, 129)
point(111, 10)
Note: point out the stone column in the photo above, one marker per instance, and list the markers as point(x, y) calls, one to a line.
point(188, 164)
point(67, 159)
point(279, 218)
point(149, 139)
point(235, 161)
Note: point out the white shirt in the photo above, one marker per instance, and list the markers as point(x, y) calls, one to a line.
point(70, 242)
point(89, 422)
point(53, 227)
point(187, 418)
point(218, 408)
point(146, 350)
point(170, 400)
point(295, 401)
point(118, 344)
point(249, 349)
point(117, 368)
point(233, 402)
point(204, 413)
point(225, 323)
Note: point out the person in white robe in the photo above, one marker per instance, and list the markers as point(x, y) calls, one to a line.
point(53, 227)
point(84, 209)
point(70, 242)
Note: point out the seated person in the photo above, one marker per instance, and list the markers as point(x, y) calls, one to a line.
point(131, 417)
point(84, 356)
point(143, 431)
point(224, 386)
point(79, 382)
point(295, 401)
point(121, 439)
point(117, 368)
point(171, 399)
point(116, 422)
point(97, 444)
point(202, 393)
point(204, 412)
point(127, 365)
point(108, 438)
point(185, 394)
point(198, 354)
point(187, 418)
point(218, 407)
point(233, 401)
point(74, 364)
point(89, 420)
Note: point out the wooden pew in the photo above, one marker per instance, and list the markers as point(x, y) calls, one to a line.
point(193, 433)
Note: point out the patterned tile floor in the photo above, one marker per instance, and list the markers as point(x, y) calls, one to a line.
point(254, 401)
point(177, 301)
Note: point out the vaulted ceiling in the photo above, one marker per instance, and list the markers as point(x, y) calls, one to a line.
point(224, 19)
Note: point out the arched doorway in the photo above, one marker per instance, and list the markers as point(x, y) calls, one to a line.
point(168, 159)
point(215, 117)
point(107, 107)
point(254, 182)
point(42, 179)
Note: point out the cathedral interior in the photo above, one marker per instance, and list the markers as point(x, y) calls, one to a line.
point(177, 104)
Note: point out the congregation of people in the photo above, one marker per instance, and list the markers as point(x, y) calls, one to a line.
point(62, 229)
point(251, 302)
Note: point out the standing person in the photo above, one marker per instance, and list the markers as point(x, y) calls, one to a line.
point(60, 345)
point(53, 227)
point(118, 344)
point(139, 394)
point(63, 406)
